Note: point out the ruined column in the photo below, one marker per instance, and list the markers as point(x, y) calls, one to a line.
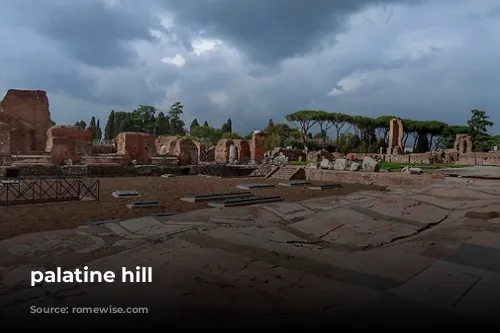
point(395, 137)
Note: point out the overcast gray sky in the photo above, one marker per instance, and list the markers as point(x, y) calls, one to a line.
point(255, 60)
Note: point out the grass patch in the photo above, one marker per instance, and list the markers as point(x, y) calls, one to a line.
point(302, 163)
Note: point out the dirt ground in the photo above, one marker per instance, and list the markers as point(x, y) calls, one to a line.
point(22, 219)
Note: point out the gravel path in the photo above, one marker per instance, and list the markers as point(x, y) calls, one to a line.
point(18, 220)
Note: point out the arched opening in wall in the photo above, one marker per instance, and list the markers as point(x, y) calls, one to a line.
point(244, 152)
point(464, 147)
point(227, 150)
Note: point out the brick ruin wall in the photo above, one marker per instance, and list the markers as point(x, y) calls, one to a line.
point(138, 147)
point(27, 113)
point(448, 156)
point(66, 143)
point(187, 151)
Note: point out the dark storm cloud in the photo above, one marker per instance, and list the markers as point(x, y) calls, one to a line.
point(269, 30)
point(89, 31)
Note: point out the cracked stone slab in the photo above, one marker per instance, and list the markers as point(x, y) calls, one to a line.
point(324, 203)
point(56, 244)
point(408, 209)
point(288, 211)
point(347, 227)
point(359, 199)
point(443, 203)
point(369, 233)
point(437, 286)
point(150, 227)
point(461, 192)
point(255, 236)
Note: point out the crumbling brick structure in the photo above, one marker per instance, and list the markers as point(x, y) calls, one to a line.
point(27, 114)
point(463, 143)
point(186, 150)
point(395, 136)
point(222, 150)
point(243, 150)
point(68, 143)
point(138, 147)
point(257, 150)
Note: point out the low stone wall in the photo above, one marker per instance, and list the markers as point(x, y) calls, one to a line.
point(101, 170)
point(371, 178)
point(492, 158)
point(103, 159)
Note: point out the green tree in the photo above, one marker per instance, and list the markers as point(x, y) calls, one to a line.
point(93, 127)
point(207, 134)
point(325, 122)
point(174, 115)
point(340, 122)
point(447, 138)
point(143, 119)
point(382, 128)
point(227, 127)
point(81, 124)
point(434, 130)
point(162, 124)
point(422, 143)
point(205, 124)
point(98, 131)
point(479, 124)
point(304, 120)
point(127, 124)
point(269, 126)
point(109, 129)
point(193, 125)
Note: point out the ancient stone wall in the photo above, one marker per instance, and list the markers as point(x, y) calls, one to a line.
point(114, 159)
point(244, 151)
point(4, 139)
point(103, 149)
point(30, 110)
point(66, 143)
point(73, 133)
point(221, 153)
point(371, 178)
point(186, 150)
point(317, 156)
point(165, 144)
point(491, 158)
point(291, 154)
point(257, 150)
point(463, 143)
point(395, 136)
point(202, 151)
point(138, 147)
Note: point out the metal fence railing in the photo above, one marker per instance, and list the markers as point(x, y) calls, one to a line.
point(29, 190)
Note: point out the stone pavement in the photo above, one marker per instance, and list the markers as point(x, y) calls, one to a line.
point(422, 253)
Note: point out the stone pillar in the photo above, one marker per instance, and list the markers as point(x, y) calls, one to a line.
point(257, 146)
point(463, 143)
point(233, 153)
point(395, 136)
point(4, 139)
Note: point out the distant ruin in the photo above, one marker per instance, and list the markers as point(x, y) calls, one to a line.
point(395, 137)
point(26, 114)
point(28, 138)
